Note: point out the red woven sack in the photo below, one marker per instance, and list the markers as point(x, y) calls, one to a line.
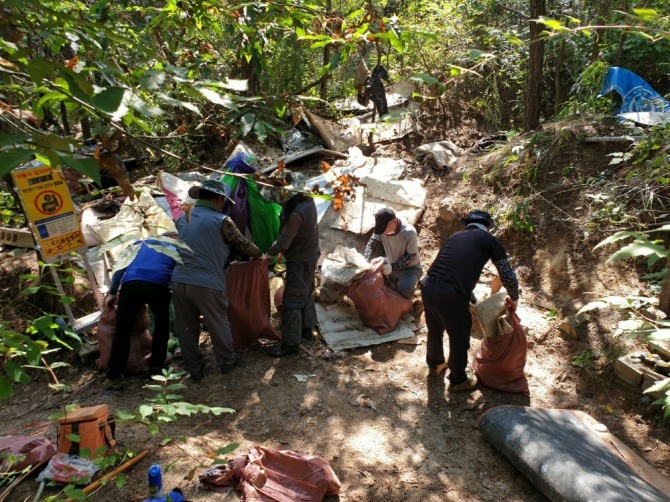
point(19, 452)
point(140, 340)
point(270, 475)
point(249, 303)
point(380, 307)
point(499, 362)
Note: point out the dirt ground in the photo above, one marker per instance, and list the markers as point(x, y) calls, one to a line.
point(390, 432)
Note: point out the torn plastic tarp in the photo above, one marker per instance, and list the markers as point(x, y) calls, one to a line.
point(138, 219)
point(637, 95)
point(338, 270)
point(295, 140)
point(443, 153)
point(406, 197)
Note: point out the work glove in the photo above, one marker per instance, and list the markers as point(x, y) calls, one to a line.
point(387, 269)
point(377, 261)
point(110, 301)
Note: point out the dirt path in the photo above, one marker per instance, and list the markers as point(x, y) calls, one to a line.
point(389, 432)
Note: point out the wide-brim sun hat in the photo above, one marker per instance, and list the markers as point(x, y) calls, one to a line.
point(213, 186)
point(478, 216)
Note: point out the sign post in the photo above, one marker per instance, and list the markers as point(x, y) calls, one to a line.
point(53, 220)
point(50, 211)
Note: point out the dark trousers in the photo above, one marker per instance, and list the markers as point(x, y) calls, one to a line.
point(189, 302)
point(298, 309)
point(134, 295)
point(447, 309)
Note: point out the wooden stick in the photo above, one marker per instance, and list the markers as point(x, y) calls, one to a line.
point(111, 475)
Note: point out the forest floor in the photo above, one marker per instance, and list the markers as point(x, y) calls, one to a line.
point(390, 432)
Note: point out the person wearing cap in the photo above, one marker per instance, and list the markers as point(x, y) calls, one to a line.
point(447, 288)
point(400, 246)
point(199, 282)
point(298, 240)
point(146, 280)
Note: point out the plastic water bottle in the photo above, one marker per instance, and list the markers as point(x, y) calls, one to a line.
point(155, 482)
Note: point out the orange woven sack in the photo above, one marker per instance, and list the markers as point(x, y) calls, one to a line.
point(249, 303)
point(93, 429)
point(270, 475)
point(380, 307)
point(140, 340)
point(499, 361)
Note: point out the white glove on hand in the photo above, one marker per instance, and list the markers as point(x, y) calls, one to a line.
point(386, 269)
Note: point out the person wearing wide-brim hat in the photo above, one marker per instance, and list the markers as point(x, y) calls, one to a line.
point(396, 243)
point(199, 282)
point(447, 288)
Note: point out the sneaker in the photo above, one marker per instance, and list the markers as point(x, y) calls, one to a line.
point(436, 371)
point(158, 370)
point(283, 350)
point(197, 375)
point(469, 384)
point(115, 383)
point(227, 368)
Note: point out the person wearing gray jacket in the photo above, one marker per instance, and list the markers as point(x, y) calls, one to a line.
point(298, 241)
point(199, 282)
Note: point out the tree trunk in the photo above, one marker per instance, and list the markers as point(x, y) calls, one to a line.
point(86, 128)
point(63, 116)
point(664, 297)
point(535, 61)
point(622, 40)
point(557, 77)
point(603, 10)
point(323, 89)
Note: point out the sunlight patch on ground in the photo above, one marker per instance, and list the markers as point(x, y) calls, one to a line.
point(370, 444)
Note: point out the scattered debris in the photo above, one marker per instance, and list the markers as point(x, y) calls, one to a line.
point(304, 378)
point(571, 323)
point(442, 153)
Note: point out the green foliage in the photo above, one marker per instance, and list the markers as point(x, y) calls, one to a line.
point(585, 359)
point(552, 313)
point(15, 350)
point(9, 215)
point(650, 155)
point(639, 323)
point(585, 93)
point(520, 217)
point(166, 406)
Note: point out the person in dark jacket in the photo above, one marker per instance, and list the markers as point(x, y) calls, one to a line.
point(199, 282)
point(145, 281)
point(449, 285)
point(298, 240)
point(397, 241)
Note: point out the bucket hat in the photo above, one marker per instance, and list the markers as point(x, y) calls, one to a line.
point(214, 186)
point(478, 216)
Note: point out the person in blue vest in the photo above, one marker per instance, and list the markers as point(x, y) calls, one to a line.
point(447, 288)
point(145, 281)
point(298, 240)
point(199, 282)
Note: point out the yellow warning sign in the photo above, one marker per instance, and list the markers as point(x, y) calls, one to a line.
point(50, 211)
